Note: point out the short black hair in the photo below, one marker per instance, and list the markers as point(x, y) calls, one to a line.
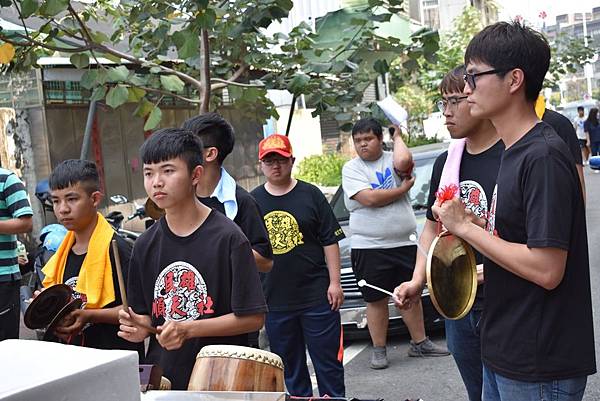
point(368, 124)
point(215, 131)
point(506, 46)
point(171, 143)
point(75, 171)
point(579, 108)
point(453, 81)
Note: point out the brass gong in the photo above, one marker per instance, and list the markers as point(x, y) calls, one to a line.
point(451, 275)
point(152, 210)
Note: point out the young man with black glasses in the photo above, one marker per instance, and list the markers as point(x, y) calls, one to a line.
point(479, 163)
point(303, 289)
point(537, 265)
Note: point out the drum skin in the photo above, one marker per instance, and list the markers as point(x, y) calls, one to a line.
point(236, 368)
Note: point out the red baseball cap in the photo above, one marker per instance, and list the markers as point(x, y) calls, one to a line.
point(275, 143)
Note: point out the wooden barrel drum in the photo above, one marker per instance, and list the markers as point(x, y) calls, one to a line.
point(236, 368)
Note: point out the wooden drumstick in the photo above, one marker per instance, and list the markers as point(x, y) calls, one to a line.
point(122, 287)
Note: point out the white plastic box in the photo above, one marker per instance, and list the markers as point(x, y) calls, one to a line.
point(37, 370)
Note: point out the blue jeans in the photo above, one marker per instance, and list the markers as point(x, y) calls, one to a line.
point(319, 329)
point(500, 388)
point(595, 148)
point(462, 337)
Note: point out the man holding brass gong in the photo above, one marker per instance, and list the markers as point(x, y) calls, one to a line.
point(535, 246)
point(478, 167)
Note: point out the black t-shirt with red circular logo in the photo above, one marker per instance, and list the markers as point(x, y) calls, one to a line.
point(208, 274)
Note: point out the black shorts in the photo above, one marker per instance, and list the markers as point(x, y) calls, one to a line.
point(582, 143)
point(385, 268)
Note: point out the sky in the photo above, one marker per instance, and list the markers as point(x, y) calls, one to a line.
point(530, 9)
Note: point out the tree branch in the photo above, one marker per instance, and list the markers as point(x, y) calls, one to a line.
point(240, 71)
point(31, 42)
point(84, 29)
point(225, 83)
point(67, 31)
point(21, 18)
point(167, 93)
point(187, 78)
point(231, 81)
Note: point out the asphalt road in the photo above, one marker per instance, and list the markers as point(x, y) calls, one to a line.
point(437, 379)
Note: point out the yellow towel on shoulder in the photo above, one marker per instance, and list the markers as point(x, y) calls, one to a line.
point(95, 277)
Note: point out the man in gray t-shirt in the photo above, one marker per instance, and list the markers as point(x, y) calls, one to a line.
point(376, 184)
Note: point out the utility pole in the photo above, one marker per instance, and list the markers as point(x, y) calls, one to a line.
point(587, 68)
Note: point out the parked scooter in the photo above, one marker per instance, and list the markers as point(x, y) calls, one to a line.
point(116, 218)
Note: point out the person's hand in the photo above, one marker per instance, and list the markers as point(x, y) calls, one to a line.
point(22, 260)
point(473, 218)
point(37, 292)
point(335, 295)
point(408, 182)
point(407, 294)
point(72, 324)
point(452, 214)
point(397, 131)
point(128, 329)
point(172, 335)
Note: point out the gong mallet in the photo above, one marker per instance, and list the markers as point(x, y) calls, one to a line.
point(122, 287)
point(363, 283)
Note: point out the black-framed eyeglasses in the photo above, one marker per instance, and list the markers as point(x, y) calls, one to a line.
point(453, 101)
point(470, 78)
point(275, 160)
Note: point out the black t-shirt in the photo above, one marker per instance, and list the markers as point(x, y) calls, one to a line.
point(208, 274)
point(248, 218)
point(593, 130)
point(101, 335)
point(564, 128)
point(300, 223)
point(530, 333)
point(477, 177)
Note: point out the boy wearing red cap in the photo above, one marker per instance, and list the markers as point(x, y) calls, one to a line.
point(303, 290)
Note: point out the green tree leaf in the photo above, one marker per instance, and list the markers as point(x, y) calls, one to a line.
point(98, 94)
point(80, 60)
point(144, 108)
point(118, 74)
point(89, 79)
point(172, 83)
point(28, 7)
point(135, 94)
point(190, 47)
point(153, 119)
point(52, 7)
point(206, 18)
point(117, 95)
point(298, 83)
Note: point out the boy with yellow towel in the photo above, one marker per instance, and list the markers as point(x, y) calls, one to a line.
point(85, 259)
